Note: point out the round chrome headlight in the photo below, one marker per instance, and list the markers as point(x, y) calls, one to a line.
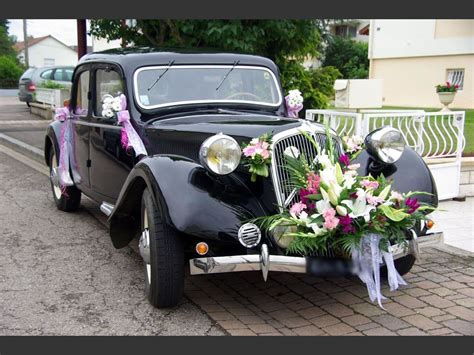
point(385, 144)
point(220, 154)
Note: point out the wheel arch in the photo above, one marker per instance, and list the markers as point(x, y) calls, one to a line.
point(191, 200)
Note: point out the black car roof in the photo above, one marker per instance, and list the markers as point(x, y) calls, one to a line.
point(135, 57)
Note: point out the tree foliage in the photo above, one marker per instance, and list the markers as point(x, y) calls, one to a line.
point(6, 41)
point(287, 42)
point(349, 56)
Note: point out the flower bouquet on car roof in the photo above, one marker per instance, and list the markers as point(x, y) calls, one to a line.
point(339, 212)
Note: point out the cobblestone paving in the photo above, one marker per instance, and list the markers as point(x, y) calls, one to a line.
point(439, 300)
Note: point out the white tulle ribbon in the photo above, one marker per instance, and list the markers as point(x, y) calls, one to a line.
point(66, 151)
point(367, 260)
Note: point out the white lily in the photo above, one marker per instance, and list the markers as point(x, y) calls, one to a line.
point(325, 162)
point(359, 208)
point(341, 210)
point(349, 180)
point(322, 206)
point(328, 175)
point(316, 229)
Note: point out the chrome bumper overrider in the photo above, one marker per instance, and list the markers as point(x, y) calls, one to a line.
point(266, 262)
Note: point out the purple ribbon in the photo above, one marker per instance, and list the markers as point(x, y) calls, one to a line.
point(293, 110)
point(129, 137)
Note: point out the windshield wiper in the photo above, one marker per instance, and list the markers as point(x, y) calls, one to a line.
point(161, 75)
point(227, 74)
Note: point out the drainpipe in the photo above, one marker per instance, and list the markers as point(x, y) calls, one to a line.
point(81, 38)
point(371, 47)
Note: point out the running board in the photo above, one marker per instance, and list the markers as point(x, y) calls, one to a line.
point(106, 208)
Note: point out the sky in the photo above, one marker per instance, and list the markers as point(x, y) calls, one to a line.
point(63, 30)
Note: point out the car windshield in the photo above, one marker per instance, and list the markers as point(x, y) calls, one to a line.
point(163, 86)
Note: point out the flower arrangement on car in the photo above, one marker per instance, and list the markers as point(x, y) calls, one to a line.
point(354, 216)
point(337, 206)
point(257, 156)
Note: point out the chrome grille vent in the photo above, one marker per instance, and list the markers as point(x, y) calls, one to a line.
point(249, 235)
point(285, 193)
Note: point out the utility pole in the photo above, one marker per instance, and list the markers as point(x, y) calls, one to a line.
point(81, 38)
point(25, 40)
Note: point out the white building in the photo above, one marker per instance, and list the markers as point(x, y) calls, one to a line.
point(353, 29)
point(46, 51)
point(413, 56)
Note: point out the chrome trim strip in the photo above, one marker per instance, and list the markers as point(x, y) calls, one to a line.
point(177, 103)
point(100, 125)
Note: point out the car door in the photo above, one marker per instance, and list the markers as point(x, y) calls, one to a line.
point(81, 105)
point(110, 163)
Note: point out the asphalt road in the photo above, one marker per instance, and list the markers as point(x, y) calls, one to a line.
point(60, 274)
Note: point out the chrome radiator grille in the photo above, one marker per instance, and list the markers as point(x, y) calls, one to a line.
point(285, 193)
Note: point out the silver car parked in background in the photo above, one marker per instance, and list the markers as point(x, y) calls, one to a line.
point(34, 77)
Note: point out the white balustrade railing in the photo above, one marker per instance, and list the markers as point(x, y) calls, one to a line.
point(436, 136)
point(431, 134)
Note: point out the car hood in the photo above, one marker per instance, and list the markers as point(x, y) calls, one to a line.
point(239, 126)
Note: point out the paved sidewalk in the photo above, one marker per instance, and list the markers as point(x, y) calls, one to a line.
point(438, 300)
point(456, 220)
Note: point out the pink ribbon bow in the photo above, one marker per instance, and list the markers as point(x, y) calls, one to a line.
point(129, 137)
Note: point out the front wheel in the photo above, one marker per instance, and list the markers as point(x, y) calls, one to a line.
point(162, 250)
point(69, 198)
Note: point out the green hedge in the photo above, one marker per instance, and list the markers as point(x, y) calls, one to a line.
point(10, 72)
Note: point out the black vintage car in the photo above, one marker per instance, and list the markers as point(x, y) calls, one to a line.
point(189, 201)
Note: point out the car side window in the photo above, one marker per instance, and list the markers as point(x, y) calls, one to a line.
point(46, 74)
point(58, 75)
point(82, 90)
point(107, 82)
point(68, 74)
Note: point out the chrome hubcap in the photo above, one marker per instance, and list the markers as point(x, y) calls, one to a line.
point(144, 246)
point(55, 177)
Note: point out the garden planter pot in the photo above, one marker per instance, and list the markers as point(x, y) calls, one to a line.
point(446, 98)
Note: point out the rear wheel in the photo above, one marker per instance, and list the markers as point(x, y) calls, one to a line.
point(162, 251)
point(70, 199)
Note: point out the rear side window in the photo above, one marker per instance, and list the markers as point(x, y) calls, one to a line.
point(82, 100)
point(28, 74)
point(108, 82)
point(46, 74)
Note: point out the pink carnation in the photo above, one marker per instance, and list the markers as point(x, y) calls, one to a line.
point(249, 151)
point(374, 200)
point(369, 184)
point(330, 220)
point(353, 166)
point(297, 208)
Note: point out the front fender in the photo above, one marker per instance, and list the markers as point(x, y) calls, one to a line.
point(409, 173)
point(191, 200)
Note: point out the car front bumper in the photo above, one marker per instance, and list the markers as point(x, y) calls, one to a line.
point(307, 265)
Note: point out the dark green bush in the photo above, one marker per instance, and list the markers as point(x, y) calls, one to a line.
point(10, 71)
point(349, 56)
